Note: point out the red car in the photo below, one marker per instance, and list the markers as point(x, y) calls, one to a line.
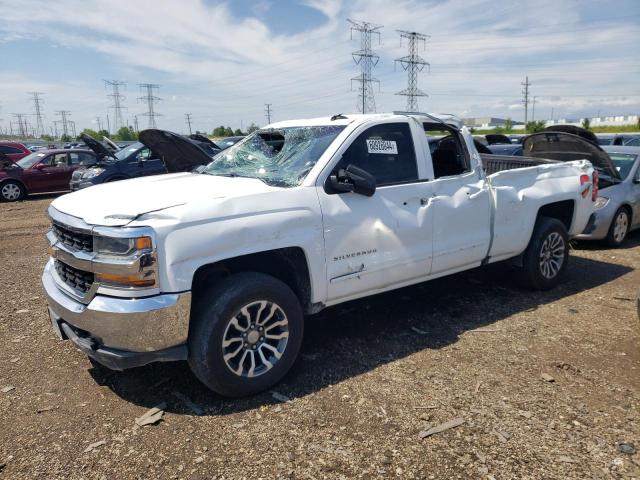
point(40, 172)
point(15, 151)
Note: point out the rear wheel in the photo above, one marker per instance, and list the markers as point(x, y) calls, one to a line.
point(547, 254)
point(11, 191)
point(245, 334)
point(619, 228)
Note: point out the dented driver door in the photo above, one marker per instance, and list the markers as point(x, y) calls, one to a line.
point(385, 240)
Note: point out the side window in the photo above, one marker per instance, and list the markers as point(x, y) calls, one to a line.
point(8, 149)
point(447, 152)
point(386, 151)
point(58, 160)
point(81, 158)
point(144, 154)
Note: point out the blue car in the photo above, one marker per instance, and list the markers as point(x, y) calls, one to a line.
point(135, 160)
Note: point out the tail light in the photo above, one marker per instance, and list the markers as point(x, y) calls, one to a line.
point(594, 191)
point(584, 179)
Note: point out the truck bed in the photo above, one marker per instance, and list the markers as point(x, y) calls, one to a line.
point(498, 163)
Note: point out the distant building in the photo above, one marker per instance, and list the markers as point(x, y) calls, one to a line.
point(488, 122)
point(609, 121)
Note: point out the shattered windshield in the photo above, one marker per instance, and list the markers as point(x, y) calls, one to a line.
point(281, 157)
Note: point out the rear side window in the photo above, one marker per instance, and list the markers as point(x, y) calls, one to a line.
point(385, 151)
point(8, 149)
point(447, 152)
point(81, 158)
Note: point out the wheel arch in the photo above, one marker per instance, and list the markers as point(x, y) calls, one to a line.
point(562, 210)
point(289, 265)
point(16, 180)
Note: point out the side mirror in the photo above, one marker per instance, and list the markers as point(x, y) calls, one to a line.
point(353, 179)
point(40, 166)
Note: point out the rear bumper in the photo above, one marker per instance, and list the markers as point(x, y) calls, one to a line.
point(121, 332)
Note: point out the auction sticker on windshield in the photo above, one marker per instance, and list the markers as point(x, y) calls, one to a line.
point(382, 146)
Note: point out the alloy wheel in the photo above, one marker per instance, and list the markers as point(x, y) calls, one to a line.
point(552, 255)
point(255, 338)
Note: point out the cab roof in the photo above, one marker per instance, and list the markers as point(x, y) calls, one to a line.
point(359, 118)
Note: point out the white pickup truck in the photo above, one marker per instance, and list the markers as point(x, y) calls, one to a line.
point(219, 267)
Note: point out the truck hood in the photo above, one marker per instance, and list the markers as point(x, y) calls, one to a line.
point(557, 145)
point(178, 153)
point(119, 203)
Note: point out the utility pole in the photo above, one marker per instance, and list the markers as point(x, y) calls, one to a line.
point(413, 64)
point(525, 100)
point(64, 114)
point(188, 117)
point(150, 99)
point(117, 99)
point(367, 59)
point(99, 121)
point(267, 112)
point(533, 110)
point(135, 123)
point(37, 106)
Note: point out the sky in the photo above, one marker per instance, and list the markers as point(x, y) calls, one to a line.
point(222, 61)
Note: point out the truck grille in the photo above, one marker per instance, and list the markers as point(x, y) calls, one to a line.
point(76, 279)
point(72, 238)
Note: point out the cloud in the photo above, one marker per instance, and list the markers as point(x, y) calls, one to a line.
point(223, 68)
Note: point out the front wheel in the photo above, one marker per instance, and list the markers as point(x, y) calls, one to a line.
point(618, 229)
point(547, 254)
point(245, 334)
point(11, 191)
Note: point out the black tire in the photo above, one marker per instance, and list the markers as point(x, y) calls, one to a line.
point(12, 191)
point(212, 321)
point(614, 237)
point(540, 269)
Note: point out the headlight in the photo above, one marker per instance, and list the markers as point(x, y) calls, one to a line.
point(92, 172)
point(121, 246)
point(601, 202)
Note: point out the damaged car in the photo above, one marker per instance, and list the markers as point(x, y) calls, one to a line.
point(617, 208)
point(149, 156)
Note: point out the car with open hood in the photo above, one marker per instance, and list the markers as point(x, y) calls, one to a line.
point(14, 150)
point(618, 204)
point(154, 154)
point(43, 171)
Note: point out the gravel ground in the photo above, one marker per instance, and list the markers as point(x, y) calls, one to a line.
point(542, 385)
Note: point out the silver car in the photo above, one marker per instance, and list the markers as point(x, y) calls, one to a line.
point(618, 205)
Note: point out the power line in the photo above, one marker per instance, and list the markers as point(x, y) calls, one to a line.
point(151, 100)
point(525, 99)
point(267, 112)
point(188, 117)
point(413, 64)
point(367, 59)
point(117, 99)
point(37, 106)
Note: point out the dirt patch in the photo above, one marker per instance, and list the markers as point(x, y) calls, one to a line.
point(372, 376)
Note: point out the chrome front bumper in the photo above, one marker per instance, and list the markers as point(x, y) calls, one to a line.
point(145, 324)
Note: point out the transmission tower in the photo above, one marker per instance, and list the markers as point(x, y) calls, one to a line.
point(23, 128)
point(99, 122)
point(268, 112)
point(64, 120)
point(367, 59)
point(187, 116)
point(37, 106)
point(151, 100)
point(413, 64)
point(117, 98)
point(525, 99)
